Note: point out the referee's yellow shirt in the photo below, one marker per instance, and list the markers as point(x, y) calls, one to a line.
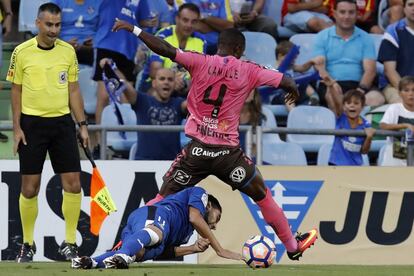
point(44, 76)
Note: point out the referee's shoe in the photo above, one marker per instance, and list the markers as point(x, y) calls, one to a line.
point(68, 250)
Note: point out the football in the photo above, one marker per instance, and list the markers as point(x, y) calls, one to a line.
point(259, 252)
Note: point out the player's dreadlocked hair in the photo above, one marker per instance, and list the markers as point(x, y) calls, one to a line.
point(214, 202)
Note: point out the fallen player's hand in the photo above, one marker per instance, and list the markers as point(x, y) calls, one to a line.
point(122, 25)
point(201, 245)
point(227, 254)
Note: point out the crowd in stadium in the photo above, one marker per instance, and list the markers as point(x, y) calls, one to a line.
point(359, 52)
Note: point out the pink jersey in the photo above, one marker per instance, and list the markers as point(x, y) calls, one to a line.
point(219, 88)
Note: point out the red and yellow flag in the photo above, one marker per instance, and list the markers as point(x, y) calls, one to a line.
point(101, 202)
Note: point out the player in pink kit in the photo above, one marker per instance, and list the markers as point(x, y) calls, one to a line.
point(220, 86)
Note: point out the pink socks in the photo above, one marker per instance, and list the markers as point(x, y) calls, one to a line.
point(275, 217)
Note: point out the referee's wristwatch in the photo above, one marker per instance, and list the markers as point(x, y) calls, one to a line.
point(83, 123)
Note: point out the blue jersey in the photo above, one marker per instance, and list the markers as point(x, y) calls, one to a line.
point(158, 145)
point(346, 150)
point(171, 216)
point(122, 42)
point(79, 20)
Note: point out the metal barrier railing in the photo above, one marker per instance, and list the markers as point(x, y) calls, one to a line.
point(249, 139)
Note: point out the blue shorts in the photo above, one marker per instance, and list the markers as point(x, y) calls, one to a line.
point(141, 217)
point(298, 21)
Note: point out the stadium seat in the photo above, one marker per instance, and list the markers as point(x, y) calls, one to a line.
point(305, 43)
point(377, 42)
point(325, 151)
point(311, 117)
point(114, 138)
point(278, 109)
point(260, 48)
point(287, 154)
point(28, 14)
point(132, 151)
point(88, 89)
point(269, 122)
point(183, 139)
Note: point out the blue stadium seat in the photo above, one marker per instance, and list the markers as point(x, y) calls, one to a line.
point(114, 138)
point(132, 151)
point(377, 42)
point(183, 139)
point(270, 122)
point(278, 109)
point(28, 14)
point(260, 48)
point(305, 42)
point(287, 154)
point(325, 151)
point(310, 117)
point(88, 89)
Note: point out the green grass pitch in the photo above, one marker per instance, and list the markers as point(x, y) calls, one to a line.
point(41, 269)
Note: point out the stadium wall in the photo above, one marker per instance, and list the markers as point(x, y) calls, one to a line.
point(364, 214)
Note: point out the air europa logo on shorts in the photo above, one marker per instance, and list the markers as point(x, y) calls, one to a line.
point(196, 151)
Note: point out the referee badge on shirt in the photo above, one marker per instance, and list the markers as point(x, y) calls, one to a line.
point(63, 77)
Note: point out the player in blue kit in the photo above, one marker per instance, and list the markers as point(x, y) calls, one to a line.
point(157, 231)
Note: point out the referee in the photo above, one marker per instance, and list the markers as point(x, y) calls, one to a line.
point(45, 89)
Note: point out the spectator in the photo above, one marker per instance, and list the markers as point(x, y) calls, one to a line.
point(154, 15)
point(6, 15)
point(366, 18)
point(182, 36)
point(346, 150)
point(157, 109)
point(45, 91)
point(399, 116)
point(252, 19)
point(345, 57)
point(107, 45)
point(79, 25)
point(307, 94)
point(396, 52)
point(215, 17)
point(393, 12)
point(172, 9)
point(306, 16)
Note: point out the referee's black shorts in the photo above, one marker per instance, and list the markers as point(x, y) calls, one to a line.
point(56, 135)
point(125, 65)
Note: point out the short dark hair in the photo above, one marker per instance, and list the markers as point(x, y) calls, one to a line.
point(283, 48)
point(231, 38)
point(353, 93)
point(49, 7)
point(349, 1)
point(214, 202)
point(189, 6)
point(405, 81)
point(405, 3)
